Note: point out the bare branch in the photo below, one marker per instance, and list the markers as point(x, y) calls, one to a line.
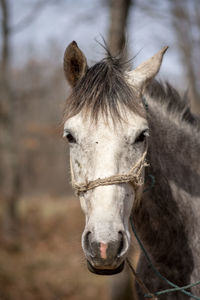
point(31, 17)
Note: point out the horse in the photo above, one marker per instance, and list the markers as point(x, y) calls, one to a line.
point(124, 128)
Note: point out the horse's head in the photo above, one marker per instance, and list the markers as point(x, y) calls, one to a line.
point(107, 130)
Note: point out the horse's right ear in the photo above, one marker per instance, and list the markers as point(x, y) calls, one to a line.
point(75, 64)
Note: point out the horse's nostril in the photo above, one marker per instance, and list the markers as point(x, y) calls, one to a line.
point(87, 244)
point(121, 243)
point(87, 240)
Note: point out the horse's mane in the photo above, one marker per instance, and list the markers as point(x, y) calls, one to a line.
point(103, 90)
point(175, 104)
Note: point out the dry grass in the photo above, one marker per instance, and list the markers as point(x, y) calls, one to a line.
point(47, 262)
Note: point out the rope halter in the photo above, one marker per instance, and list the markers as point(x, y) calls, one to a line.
point(134, 177)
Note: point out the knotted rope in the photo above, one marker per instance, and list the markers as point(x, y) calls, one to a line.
point(134, 177)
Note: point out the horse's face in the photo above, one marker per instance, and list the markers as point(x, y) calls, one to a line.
point(102, 149)
point(98, 151)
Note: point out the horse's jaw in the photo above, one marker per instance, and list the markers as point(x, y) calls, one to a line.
point(101, 271)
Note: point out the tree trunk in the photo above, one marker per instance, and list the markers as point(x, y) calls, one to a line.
point(119, 10)
point(5, 40)
point(181, 21)
point(9, 176)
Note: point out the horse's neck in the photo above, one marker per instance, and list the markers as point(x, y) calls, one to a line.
point(167, 220)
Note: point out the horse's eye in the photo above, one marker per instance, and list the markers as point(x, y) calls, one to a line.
point(70, 138)
point(142, 136)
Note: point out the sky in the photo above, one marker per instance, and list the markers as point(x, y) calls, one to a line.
point(85, 21)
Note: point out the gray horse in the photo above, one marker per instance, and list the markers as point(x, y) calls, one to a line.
point(124, 128)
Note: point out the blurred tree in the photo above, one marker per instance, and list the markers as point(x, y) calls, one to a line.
point(186, 23)
point(35, 11)
point(5, 40)
point(9, 175)
point(119, 10)
point(11, 97)
point(184, 18)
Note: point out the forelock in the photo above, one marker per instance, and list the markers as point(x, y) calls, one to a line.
point(105, 91)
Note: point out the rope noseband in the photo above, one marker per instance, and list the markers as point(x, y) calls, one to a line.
point(134, 177)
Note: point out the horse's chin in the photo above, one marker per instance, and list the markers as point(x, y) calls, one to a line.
point(105, 271)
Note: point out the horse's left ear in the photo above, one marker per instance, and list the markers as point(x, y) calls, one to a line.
point(147, 70)
point(75, 64)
